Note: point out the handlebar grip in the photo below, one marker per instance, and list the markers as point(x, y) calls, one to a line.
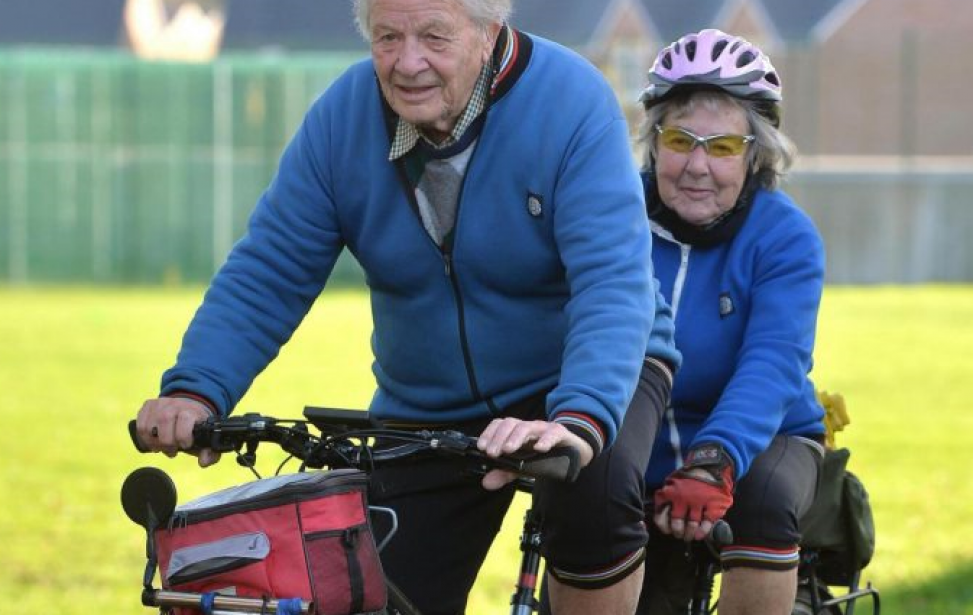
point(202, 434)
point(560, 463)
point(133, 434)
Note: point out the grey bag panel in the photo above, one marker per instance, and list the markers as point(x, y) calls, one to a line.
point(202, 560)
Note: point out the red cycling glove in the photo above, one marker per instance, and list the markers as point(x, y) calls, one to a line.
point(695, 498)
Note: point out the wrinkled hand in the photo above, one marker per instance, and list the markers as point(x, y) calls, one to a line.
point(695, 497)
point(166, 425)
point(509, 435)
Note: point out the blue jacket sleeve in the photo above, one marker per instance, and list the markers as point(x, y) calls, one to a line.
point(268, 283)
point(605, 245)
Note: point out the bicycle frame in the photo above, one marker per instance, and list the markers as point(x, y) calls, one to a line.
point(807, 574)
point(707, 567)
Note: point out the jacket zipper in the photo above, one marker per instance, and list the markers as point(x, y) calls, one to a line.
point(680, 281)
point(463, 340)
point(446, 252)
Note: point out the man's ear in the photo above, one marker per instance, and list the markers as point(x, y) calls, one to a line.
point(491, 33)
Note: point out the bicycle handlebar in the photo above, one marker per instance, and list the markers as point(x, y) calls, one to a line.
point(721, 535)
point(344, 443)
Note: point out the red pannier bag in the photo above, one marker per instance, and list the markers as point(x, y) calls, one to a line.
point(304, 535)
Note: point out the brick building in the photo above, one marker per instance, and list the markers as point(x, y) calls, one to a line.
point(862, 77)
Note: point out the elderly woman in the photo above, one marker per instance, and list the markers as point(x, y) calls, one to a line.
point(742, 267)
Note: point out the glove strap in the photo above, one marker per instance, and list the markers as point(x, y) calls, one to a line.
point(712, 458)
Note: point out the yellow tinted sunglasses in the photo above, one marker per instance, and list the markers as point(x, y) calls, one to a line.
point(682, 141)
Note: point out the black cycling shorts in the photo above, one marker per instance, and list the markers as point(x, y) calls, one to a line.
point(594, 529)
point(767, 504)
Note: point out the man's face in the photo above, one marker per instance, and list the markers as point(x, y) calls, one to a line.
point(428, 55)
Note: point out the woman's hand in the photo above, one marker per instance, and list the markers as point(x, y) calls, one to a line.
point(697, 495)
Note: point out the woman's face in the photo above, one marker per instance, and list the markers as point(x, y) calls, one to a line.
point(697, 185)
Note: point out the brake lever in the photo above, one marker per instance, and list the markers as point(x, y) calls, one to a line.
point(453, 441)
point(229, 434)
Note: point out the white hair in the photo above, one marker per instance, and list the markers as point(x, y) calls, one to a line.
point(482, 12)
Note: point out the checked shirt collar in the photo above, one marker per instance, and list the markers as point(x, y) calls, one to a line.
point(407, 135)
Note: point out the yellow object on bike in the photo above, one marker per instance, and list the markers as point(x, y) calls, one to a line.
point(835, 414)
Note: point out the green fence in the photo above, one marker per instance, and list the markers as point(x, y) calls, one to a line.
point(118, 171)
point(115, 170)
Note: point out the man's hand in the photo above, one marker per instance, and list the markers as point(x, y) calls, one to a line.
point(697, 495)
point(166, 424)
point(509, 435)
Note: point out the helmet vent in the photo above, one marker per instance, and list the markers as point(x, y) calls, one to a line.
point(736, 45)
point(772, 77)
point(717, 50)
point(691, 50)
point(667, 61)
point(745, 58)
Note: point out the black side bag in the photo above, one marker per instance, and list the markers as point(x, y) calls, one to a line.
point(839, 525)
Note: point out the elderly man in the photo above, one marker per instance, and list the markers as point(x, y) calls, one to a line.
point(482, 177)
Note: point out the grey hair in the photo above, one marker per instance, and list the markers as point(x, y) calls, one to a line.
point(482, 12)
point(771, 154)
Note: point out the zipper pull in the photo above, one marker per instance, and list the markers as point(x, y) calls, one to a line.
point(177, 520)
point(448, 260)
point(350, 538)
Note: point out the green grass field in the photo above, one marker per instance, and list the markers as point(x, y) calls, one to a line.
point(75, 364)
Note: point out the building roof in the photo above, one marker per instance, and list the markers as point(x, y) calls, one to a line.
point(327, 25)
point(797, 20)
point(320, 25)
point(569, 22)
point(673, 18)
point(61, 22)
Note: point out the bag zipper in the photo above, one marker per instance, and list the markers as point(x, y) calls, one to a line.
point(287, 494)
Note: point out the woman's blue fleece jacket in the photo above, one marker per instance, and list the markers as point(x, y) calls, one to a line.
point(746, 313)
point(548, 284)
